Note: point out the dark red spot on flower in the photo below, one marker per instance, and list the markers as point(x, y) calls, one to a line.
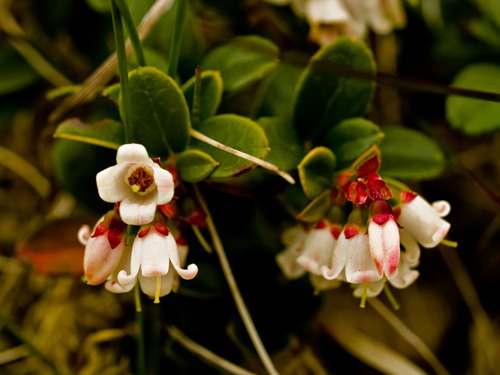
point(369, 167)
point(408, 196)
point(115, 237)
point(351, 230)
point(99, 230)
point(143, 232)
point(161, 228)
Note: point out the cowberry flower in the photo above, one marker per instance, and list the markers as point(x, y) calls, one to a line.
point(138, 183)
point(383, 237)
point(154, 260)
point(103, 248)
point(422, 220)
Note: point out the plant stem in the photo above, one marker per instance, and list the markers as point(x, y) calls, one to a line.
point(206, 354)
point(139, 318)
point(264, 164)
point(233, 286)
point(16, 331)
point(132, 31)
point(408, 335)
point(175, 46)
point(122, 71)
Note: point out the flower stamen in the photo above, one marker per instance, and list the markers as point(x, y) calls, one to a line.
point(140, 179)
point(158, 289)
point(362, 304)
point(449, 243)
point(391, 298)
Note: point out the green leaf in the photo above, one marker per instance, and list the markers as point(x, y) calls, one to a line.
point(160, 114)
point(286, 148)
point(317, 208)
point(112, 93)
point(195, 165)
point(211, 93)
point(234, 131)
point(491, 9)
point(351, 138)
point(242, 62)
point(474, 116)
point(316, 171)
point(410, 155)
point(15, 73)
point(325, 95)
point(275, 94)
point(106, 133)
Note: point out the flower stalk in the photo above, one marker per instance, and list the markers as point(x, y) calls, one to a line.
point(175, 46)
point(233, 286)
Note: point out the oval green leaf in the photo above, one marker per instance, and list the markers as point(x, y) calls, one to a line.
point(195, 165)
point(286, 148)
point(410, 155)
point(242, 62)
point(328, 90)
point(475, 116)
point(211, 93)
point(160, 114)
point(234, 131)
point(316, 171)
point(351, 138)
point(106, 133)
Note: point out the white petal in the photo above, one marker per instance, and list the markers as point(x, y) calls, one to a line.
point(164, 184)
point(339, 257)
point(318, 250)
point(412, 250)
point(155, 254)
point(138, 209)
point(320, 283)
point(130, 264)
point(326, 11)
point(374, 289)
point(186, 274)
point(392, 248)
point(149, 284)
point(359, 266)
point(406, 276)
point(84, 234)
point(116, 287)
point(376, 17)
point(111, 184)
point(133, 153)
point(100, 260)
point(294, 238)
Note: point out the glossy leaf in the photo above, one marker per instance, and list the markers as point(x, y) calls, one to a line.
point(410, 155)
point(160, 114)
point(107, 133)
point(328, 92)
point(351, 138)
point(286, 148)
point(275, 94)
point(211, 93)
point(242, 62)
point(316, 171)
point(317, 208)
point(475, 116)
point(237, 132)
point(15, 72)
point(195, 165)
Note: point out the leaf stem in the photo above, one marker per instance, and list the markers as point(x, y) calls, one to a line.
point(122, 71)
point(132, 31)
point(408, 335)
point(206, 354)
point(175, 46)
point(264, 164)
point(233, 286)
point(16, 331)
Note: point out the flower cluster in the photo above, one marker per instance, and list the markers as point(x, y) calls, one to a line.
point(329, 19)
point(140, 189)
point(365, 250)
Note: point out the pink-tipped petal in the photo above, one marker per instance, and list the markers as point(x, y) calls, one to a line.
point(100, 260)
point(376, 241)
point(133, 153)
point(406, 275)
point(164, 184)
point(149, 284)
point(443, 208)
point(111, 184)
point(392, 248)
point(138, 209)
point(115, 287)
